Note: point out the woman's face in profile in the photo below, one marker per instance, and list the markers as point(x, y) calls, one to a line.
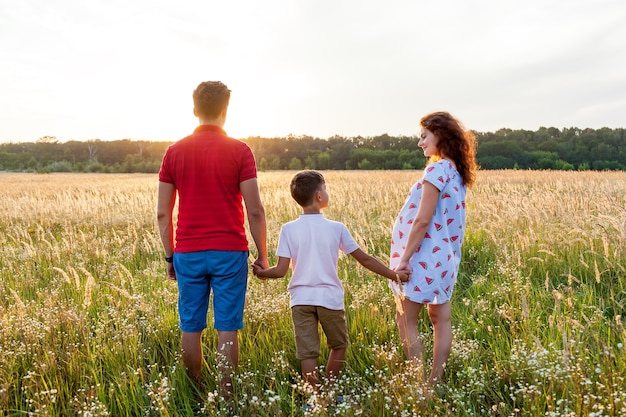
point(428, 142)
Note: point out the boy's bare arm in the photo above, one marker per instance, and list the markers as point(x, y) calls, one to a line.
point(376, 266)
point(278, 271)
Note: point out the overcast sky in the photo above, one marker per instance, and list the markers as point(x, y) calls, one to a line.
point(116, 69)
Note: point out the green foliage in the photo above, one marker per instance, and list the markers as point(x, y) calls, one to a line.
point(547, 148)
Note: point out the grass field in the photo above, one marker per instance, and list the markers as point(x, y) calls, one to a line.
point(89, 322)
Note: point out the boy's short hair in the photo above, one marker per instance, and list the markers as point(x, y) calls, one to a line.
point(210, 98)
point(304, 185)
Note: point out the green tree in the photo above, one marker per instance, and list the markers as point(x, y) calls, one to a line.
point(295, 164)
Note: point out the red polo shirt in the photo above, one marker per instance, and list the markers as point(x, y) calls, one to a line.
point(206, 168)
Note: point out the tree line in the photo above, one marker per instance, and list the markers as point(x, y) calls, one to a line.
point(545, 148)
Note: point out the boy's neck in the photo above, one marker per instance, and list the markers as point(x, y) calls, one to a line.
point(311, 210)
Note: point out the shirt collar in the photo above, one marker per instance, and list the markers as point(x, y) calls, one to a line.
point(209, 128)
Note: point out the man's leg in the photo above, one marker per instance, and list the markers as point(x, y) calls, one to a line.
point(228, 359)
point(191, 343)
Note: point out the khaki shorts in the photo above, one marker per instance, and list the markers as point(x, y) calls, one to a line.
point(305, 325)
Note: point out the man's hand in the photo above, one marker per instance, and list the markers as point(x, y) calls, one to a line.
point(261, 263)
point(171, 274)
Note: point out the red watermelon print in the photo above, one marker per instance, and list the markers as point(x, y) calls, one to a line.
point(434, 263)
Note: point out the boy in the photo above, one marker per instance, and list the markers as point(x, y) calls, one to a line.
point(313, 243)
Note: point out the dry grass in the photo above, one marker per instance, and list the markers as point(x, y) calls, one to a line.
point(90, 327)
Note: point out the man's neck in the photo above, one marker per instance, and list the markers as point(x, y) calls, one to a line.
point(215, 122)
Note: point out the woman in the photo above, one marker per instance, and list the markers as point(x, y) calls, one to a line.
point(428, 234)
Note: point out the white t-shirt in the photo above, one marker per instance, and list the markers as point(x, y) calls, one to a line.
point(313, 242)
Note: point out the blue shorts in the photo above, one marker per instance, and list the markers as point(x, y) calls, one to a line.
point(198, 273)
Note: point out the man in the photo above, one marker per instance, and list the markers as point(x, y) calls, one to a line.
point(210, 172)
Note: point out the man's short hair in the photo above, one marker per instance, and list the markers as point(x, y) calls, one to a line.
point(210, 98)
point(304, 185)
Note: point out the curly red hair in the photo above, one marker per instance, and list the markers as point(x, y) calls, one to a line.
point(454, 142)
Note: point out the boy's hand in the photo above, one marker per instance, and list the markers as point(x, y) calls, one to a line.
point(256, 269)
point(403, 275)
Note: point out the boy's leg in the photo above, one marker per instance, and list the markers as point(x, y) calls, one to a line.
point(305, 326)
point(336, 359)
point(309, 372)
point(440, 316)
point(336, 330)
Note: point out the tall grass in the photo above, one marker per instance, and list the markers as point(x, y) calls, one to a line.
point(89, 322)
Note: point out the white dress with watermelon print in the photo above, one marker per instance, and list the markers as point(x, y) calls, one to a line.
point(436, 262)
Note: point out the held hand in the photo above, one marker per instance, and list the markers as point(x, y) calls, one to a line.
point(403, 266)
point(261, 263)
point(256, 269)
point(171, 274)
point(403, 275)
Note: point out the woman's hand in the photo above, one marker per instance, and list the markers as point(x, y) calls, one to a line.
point(403, 275)
point(404, 266)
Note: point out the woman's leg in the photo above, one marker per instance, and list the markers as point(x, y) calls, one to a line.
point(407, 326)
point(441, 319)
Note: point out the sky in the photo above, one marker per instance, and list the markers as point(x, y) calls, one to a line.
point(126, 69)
